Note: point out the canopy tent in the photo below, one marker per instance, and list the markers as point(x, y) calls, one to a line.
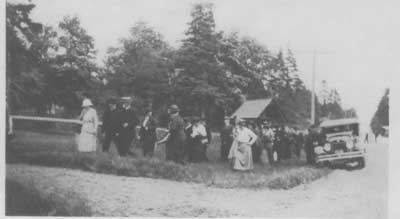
point(270, 110)
point(261, 109)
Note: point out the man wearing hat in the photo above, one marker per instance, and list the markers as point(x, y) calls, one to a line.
point(109, 127)
point(313, 138)
point(127, 122)
point(175, 140)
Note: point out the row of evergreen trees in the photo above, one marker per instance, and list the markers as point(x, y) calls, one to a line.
point(210, 74)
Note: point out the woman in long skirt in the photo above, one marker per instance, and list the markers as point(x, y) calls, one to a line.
point(198, 143)
point(88, 136)
point(240, 153)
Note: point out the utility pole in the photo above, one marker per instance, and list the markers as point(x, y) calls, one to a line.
point(313, 91)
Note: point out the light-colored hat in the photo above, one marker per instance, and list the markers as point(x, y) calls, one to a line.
point(86, 103)
point(173, 109)
point(126, 99)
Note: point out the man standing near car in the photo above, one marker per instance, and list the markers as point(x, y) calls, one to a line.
point(313, 137)
point(127, 122)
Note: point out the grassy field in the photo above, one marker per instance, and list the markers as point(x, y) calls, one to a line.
point(58, 150)
point(24, 199)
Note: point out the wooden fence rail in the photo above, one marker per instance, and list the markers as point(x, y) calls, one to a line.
point(48, 119)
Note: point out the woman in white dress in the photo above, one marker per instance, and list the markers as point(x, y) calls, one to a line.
point(88, 137)
point(240, 153)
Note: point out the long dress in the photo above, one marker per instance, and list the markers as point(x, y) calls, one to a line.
point(175, 144)
point(240, 153)
point(198, 143)
point(88, 137)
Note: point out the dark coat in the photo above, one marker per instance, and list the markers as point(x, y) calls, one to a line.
point(226, 141)
point(148, 133)
point(175, 144)
point(110, 120)
point(129, 117)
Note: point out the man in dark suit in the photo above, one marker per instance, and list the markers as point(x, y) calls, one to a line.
point(314, 137)
point(110, 124)
point(226, 139)
point(127, 122)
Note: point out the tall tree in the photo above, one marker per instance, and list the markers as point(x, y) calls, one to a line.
point(141, 65)
point(203, 83)
point(381, 116)
point(76, 73)
point(24, 82)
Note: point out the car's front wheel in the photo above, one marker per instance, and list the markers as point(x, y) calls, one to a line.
point(361, 162)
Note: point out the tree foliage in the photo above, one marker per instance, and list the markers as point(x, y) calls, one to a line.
point(381, 116)
point(210, 74)
point(141, 66)
point(24, 81)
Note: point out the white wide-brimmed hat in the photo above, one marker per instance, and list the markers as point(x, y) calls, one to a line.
point(86, 103)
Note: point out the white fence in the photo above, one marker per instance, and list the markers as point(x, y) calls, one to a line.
point(49, 119)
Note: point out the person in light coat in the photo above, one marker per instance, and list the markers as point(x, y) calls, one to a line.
point(88, 137)
point(240, 153)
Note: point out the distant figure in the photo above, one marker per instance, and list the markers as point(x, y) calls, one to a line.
point(127, 122)
point(313, 138)
point(240, 153)
point(268, 139)
point(188, 142)
point(366, 140)
point(176, 137)
point(279, 143)
point(198, 142)
point(148, 134)
point(207, 142)
point(88, 136)
point(226, 138)
point(256, 147)
point(110, 124)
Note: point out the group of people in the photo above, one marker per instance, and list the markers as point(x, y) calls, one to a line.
point(119, 126)
point(274, 143)
point(187, 140)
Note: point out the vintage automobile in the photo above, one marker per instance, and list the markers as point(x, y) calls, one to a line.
point(341, 144)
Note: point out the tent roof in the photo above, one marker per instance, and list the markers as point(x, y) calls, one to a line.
point(252, 108)
point(329, 123)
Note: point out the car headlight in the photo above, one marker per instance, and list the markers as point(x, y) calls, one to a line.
point(327, 147)
point(319, 150)
point(349, 144)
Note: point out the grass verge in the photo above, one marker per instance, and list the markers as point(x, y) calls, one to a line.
point(56, 151)
point(25, 199)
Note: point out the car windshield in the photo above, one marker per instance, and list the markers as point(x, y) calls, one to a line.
point(341, 128)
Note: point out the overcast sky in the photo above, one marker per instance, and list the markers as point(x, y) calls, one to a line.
point(354, 40)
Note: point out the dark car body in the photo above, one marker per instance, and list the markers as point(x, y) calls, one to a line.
point(341, 142)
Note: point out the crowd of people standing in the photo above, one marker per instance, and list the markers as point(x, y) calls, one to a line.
point(187, 139)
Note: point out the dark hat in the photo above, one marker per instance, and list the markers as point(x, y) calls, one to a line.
point(173, 109)
point(195, 119)
point(112, 101)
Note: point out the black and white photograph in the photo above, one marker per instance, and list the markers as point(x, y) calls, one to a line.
point(199, 108)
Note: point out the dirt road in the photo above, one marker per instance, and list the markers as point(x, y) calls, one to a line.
point(342, 194)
